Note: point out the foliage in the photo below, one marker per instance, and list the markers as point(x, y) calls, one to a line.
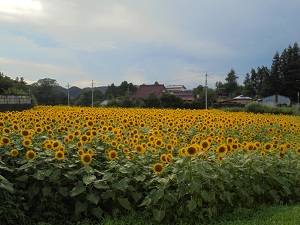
point(48, 92)
point(152, 101)
point(171, 101)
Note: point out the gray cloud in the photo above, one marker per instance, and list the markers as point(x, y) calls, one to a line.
point(143, 41)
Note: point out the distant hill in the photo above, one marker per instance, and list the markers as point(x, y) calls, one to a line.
point(75, 91)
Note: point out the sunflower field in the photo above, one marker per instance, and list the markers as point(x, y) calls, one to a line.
point(71, 163)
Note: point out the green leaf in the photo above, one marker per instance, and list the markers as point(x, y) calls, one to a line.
point(107, 176)
point(191, 205)
point(147, 201)
point(158, 214)
point(6, 185)
point(46, 191)
point(78, 189)
point(121, 185)
point(205, 196)
point(97, 212)
point(63, 191)
point(182, 175)
point(156, 194)
point(101, 185)
point(80, 207)
point(22, 178)
point(125, 203)
point(55, 176)
point(125, 170)
point(88, 179)
point(39, 175)
point(93, 198)
point(141, 177)
point(48, 172)
point(108, 194)
point(33, 191)
point(4, 167)
point(136, 196)
point(25, 166)
point(195, 185)
point(70, 176)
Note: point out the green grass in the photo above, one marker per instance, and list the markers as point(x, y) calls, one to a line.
point(262, 215)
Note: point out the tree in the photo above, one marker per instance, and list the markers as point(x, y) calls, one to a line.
point(171, 101)
point(152, 101)
point(85, 98)
point(248, 86)
point(231, 84)
point(48, 92)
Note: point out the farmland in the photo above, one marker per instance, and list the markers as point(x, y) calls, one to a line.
point(73, 163)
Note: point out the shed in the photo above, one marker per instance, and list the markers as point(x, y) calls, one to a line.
point(276, 100)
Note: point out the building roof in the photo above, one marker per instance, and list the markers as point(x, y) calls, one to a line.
point(175, 87)
point(144, 91)
point(187, 95)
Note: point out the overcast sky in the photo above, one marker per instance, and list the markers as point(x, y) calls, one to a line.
point(143, 41)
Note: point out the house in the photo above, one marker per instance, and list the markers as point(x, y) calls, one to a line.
point(241, 99)
point(171, 88)
point(276, 100)
point(186, 95)
point(144, 90)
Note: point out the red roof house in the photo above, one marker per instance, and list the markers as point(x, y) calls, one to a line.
point(144, 91)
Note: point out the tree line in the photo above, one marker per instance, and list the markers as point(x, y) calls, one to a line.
point(282, 78)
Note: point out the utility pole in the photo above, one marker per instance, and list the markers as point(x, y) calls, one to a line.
point(93, 93)
point(206, 91)
point(68, 94)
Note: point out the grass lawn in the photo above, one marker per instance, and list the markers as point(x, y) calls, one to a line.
point(263, 215)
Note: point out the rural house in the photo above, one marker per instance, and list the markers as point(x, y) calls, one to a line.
point(144, 90)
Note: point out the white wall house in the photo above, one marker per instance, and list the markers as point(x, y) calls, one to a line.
point(275, 100)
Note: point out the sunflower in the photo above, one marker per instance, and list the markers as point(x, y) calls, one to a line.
point(131, 156)
point(30, 154)
point(298, 151)
point(112, 155)
point(153, 150)
point(126, 151)
point(49, 145)
point(281, 154)
point(140, 149)
point(14, 152)
point(90, 151)
point(7, 131)
point(158, 168)
point(59, 155)
point(80, 152)
point(113, 143)
point(163, 158)
point(267, 146)
point(84, 138)
point(191, 150)
point(6, 140)
point(158, 142)
point(250, 146)
point(26, 142)
point(205, 144)
point(263, 153)
point(86, 158)
point(222, 149)
point(220, 158)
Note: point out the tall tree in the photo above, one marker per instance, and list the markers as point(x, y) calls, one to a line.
point(231, 84)
point(249, 87)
